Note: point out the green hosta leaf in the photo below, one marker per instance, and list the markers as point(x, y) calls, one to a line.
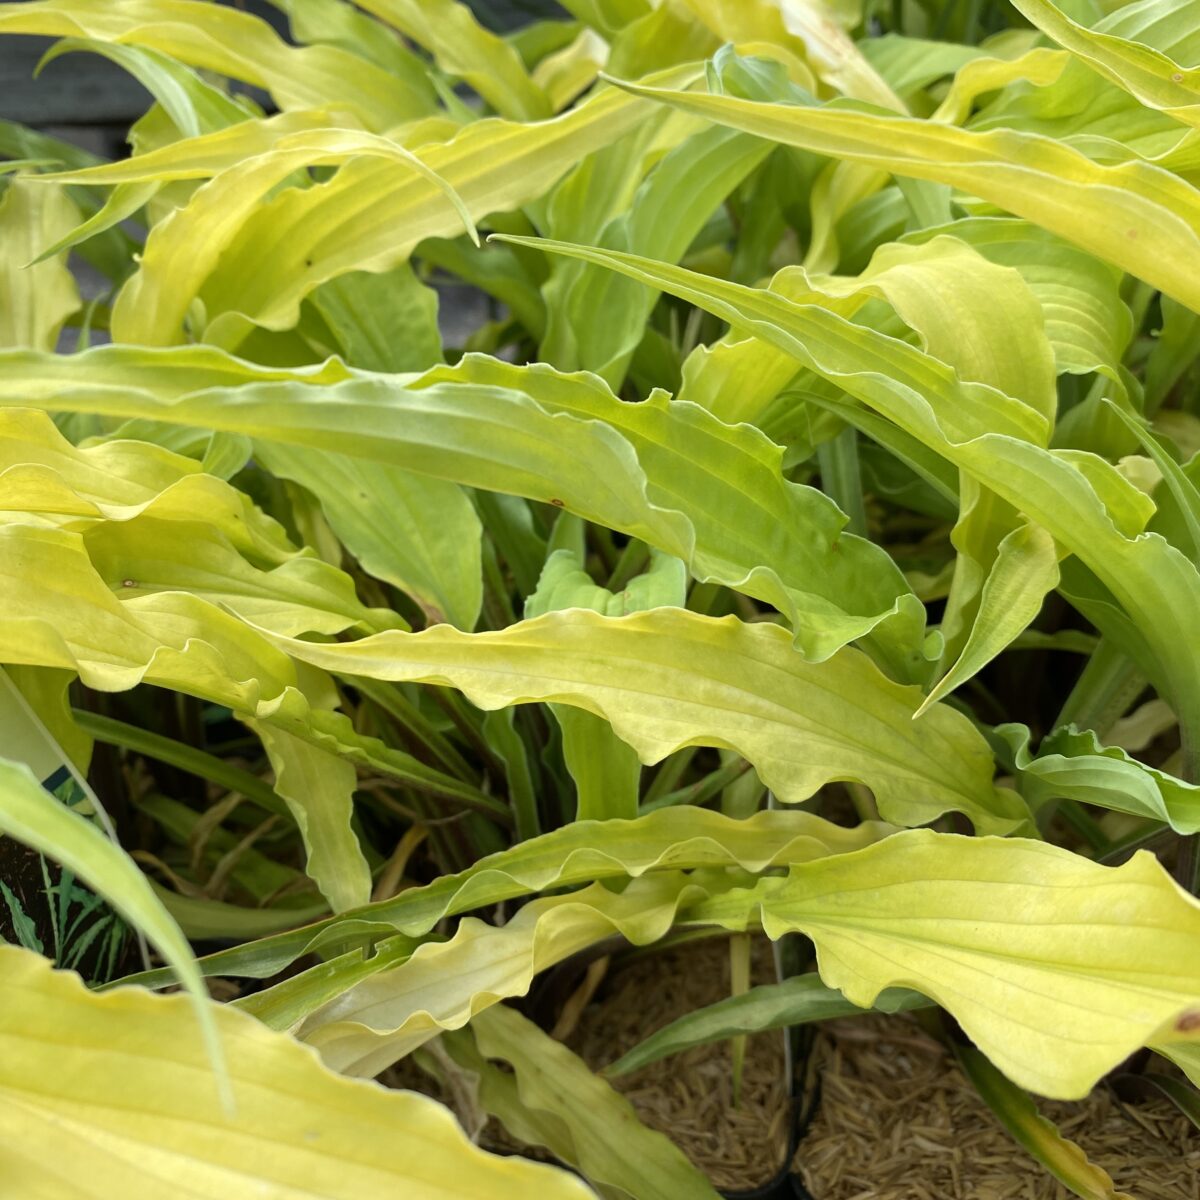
point(1132, 214)
point(124, 1075)
point(606, 316)
point(553, 1099)
point(208, 920)
point(565, 584)
point(384, 517)
point(910, 64)
point(462, 47)
point(1089, 508)
point(500, 731)
point(33, 816)
point(800, 1000)
point(1057, 968)
point(37, 299)
point(1016, 1111)
point(673, 838)
point(605, 769)
point(221, 39)
point(1072, 764)
point(667, 678)
point(194, 106)
point(1111, 48)
point(386, 322)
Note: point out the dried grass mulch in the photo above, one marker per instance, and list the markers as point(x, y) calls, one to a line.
point(899, 1121)
point(689, 1096)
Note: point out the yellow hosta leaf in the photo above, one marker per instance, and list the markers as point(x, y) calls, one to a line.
point(1133, 214)
point(583, 851)
point(444, 984)
point(219, 38)
point(1057, 968)
point(35, 301)
point(110, 1095)
point(42, 474)
point(668, 678)
point(1155, 78)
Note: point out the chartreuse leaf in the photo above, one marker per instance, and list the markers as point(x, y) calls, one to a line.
point(318, 788)
point(462, 47)
point(1024, 572)
point(804, 28)
point(937, 290)
point(1057, 969)
point(1133, 214)
point(229, 42)
point(1088, 324)
point(799, 1000)
point(150, 308)
point(443, 985)
point(608, 16)
point(123, 1074)
point(194, 106)
point(178, 641)
point(1088, 507)
point(340, 23)
point(190, 105)
point(382, 322)
point(788, 541)
point(553, 1099)
point(605, 769)
point(272, 253)
point(1111, 47)
point(669, 474)
point(37, 299)
point(1072, 764)
point(670, 839)
point(33, 816)
point(1016, 1111)
point(81, 487)
point(668, 678)
point(144, 555)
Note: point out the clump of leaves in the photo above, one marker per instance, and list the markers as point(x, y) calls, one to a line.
point(803, 537)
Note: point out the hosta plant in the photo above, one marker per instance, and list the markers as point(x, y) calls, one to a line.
point(804, 541)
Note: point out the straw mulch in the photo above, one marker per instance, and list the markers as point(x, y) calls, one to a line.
point(689, 1096)
point(899, 1121)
